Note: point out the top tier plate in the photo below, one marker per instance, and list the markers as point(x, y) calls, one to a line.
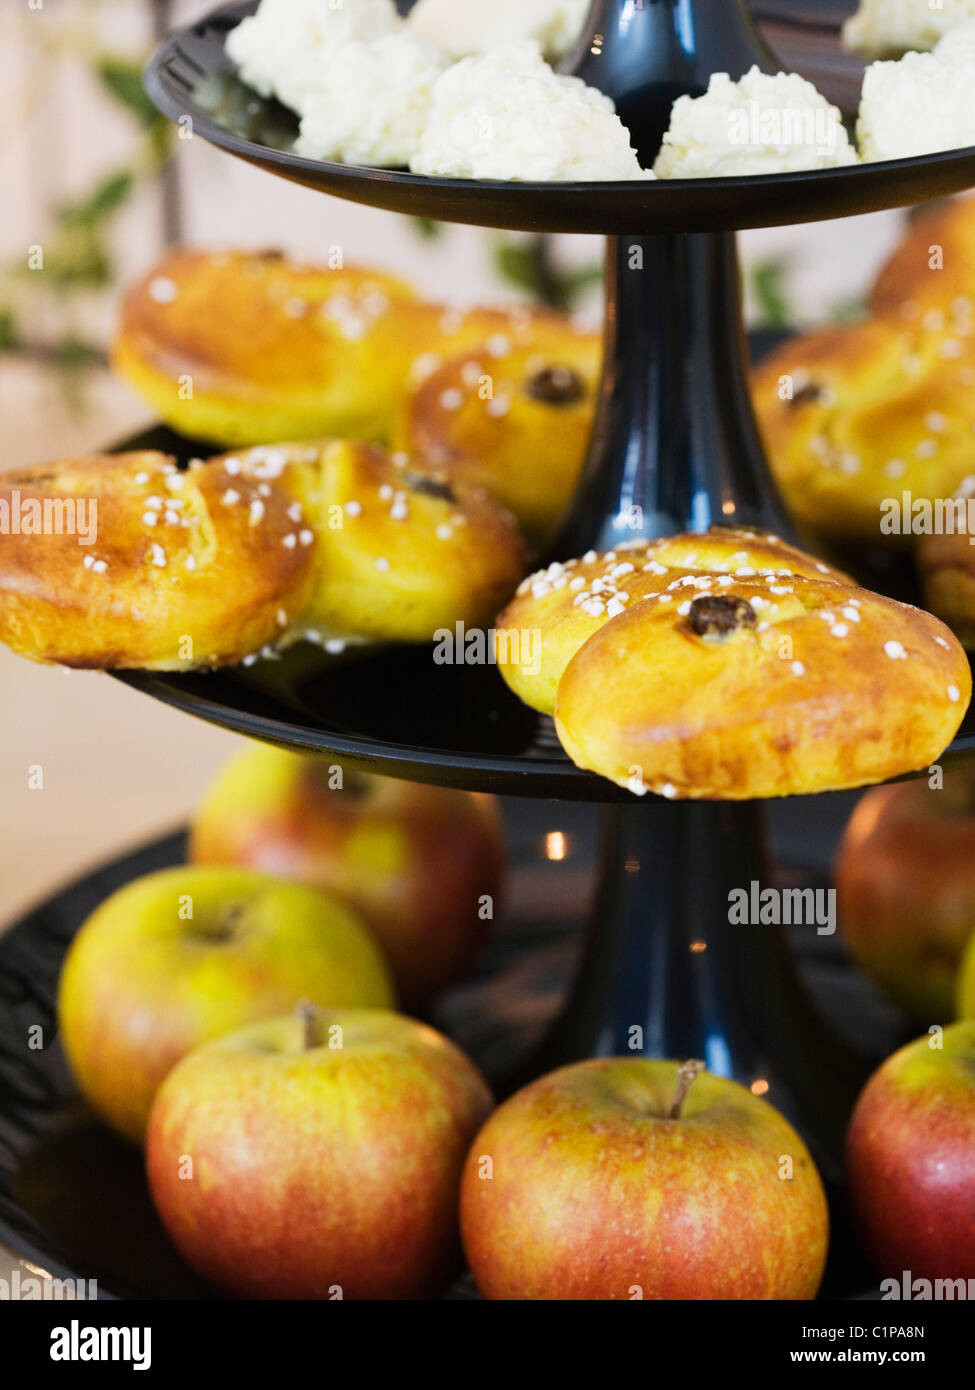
point(194, 58)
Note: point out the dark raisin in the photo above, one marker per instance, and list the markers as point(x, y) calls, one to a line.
point(808, 395)
point(719, 614)
point(556, 386)
point(429, 487)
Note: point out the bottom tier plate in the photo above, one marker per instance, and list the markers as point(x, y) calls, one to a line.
point(73, 1198)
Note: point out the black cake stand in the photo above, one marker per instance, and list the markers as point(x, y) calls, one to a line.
point(675, 447)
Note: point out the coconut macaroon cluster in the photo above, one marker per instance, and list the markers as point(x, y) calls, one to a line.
point(467, 91)
point(457, 91)
point(922, 103)
point(762, 124)
point(889, 28)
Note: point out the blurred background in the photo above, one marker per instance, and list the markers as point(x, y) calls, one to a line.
point(92, 174)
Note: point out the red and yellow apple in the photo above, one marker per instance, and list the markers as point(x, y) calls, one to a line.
point(625, 1178)
point(318, 1157)
point(905, 882)
point(179, 957)
point(911, 1158)
point(422, 865)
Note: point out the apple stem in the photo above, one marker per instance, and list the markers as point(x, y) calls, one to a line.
point(686, 1076)
point(228, 920)
point(311, 1021)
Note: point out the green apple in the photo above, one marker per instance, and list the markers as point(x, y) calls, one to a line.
point(626, 1178)
point(179, 957)
point(905, 885)
point(318, 1156)
point(422, 865)
point(911, 1158)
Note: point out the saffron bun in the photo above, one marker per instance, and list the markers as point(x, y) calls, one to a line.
point(241, 555)
point(732, 666)
point(514, 419)
point(932, 270)
point(855, 415)
point(241, 348)
point(946, 564)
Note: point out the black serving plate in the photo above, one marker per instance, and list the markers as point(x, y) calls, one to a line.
point(392, 710)
point(189, 75)
point(73, 1198)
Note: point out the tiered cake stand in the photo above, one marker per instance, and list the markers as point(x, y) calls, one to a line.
point(675, 447)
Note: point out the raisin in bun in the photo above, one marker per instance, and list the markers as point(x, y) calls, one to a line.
point(730, 666)
point(245, 553)
point(245, 348)
point(514, 419)
point(414, 553)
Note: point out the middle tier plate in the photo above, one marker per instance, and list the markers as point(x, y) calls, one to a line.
point(395, 711)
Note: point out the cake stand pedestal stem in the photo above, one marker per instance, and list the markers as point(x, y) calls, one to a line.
point(665, 973)
point(675, 445)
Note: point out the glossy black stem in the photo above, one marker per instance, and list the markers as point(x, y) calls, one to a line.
point(646, 53)
point(675, 445)
point(666, 974)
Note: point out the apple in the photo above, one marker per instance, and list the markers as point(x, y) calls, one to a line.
point(318, 1156)
point(422, 865)
point(905, 881)
point(911, 1158)
point(625, 1178)
point(178, 957)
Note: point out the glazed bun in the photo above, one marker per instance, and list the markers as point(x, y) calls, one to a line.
point(414, 553)
point(931, 273)
point(244, 348)
point(245, 553)
point(240, 348)
point(730, 666)
point(515, 420)
point(858, 414)
point(185, 569)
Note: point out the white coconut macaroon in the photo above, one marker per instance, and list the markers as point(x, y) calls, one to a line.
point(507, 115)
point(921, 103)
point(278, 51)
point(465, 29)
point(761, 124)
point(888, 28)
point(370, 101)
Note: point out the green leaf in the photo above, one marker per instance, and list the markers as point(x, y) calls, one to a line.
point(75, 354)
point(9, 336)
point(106, 199)
point(427, 228)
point(123, 79)
point(850, 310)
point(518, 262)
point(768, 285)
